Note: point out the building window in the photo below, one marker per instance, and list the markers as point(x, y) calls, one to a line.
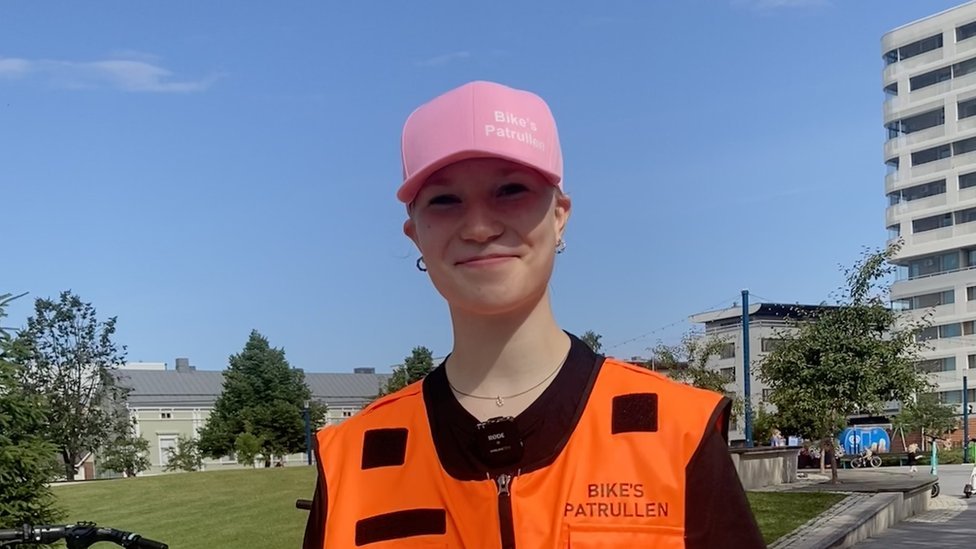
point(971, 293)
point(932, 223)
point(965, 216)
point(967, 180)
point(770, 344)
point(964, 146)
point(728, 373)
point(918, 192)
point(916, 123)
point(970, 257)
point(926, 300)
point(966, 31)
point(931, 155)
point(932, 265)
point(930, 78)
point(947, 364)
point(766, 393)
point(727, 350)
point(165, 415)
point(965, 109)
point(950, 397)
point(894, 231)
point(944, 331)
point(972, 362)
point(165, 443)
point(891, 90)
point(950, 330)
point(964, 67)
point(346, 413)
point(915, 48)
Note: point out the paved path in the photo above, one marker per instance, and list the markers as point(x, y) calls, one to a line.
point(950, 521)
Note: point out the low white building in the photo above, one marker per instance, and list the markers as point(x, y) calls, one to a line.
point(166, 404)
point(767, 323)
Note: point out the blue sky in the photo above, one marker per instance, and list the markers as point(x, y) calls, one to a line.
point(203, 169)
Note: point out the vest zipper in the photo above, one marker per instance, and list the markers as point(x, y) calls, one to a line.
point(507, 526)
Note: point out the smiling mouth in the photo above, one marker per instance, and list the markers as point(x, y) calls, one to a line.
point(485, 260)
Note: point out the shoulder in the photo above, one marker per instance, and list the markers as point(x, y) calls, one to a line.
point(636, 376)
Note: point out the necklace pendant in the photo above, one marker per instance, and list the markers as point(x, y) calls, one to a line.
point(499, 401)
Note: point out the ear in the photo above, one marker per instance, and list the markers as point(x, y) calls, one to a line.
point(564, 206)
point(410, 229)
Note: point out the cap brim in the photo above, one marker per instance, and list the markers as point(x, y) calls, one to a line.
point(409, 189)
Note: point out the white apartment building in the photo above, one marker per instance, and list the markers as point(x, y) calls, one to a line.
point(929, 80)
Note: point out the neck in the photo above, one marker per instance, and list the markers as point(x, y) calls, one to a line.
point(505, 354)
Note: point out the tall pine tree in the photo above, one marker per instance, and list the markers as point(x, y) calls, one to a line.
point(264, 396)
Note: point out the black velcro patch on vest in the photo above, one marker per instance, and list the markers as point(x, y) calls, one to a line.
point(384, 447)
point(635, 413)
point(401, 524)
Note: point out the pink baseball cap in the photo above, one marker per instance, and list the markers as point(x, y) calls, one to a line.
point(479, 120)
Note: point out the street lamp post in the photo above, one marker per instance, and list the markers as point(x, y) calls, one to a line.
point(308, 432)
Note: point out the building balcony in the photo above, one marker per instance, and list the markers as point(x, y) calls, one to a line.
point(930, 168)
point(912, 64)
point(893, 147)
point(905, 210)
point(965, 46)
point(943, 378)
point(896, 179)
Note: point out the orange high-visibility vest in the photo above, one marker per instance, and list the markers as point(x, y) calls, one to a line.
point(618, 482)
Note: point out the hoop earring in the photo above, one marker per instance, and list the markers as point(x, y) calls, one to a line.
point(560, 246)
point(421, 266)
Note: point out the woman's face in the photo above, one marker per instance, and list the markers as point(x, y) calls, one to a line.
point(487, 229)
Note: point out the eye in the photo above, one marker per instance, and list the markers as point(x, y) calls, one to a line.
point(512, 189)
point(443, 200)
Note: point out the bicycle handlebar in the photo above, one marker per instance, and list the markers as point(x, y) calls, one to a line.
point(78, 536)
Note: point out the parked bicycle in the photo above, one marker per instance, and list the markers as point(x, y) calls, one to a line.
point(78, 536)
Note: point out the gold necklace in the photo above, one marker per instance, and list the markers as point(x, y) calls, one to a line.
point(499, 399)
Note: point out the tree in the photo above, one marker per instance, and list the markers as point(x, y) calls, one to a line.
point(592, 339)
point(846, 359)
point(127, 453)
point(248, 447)
point(688, 362)
point(763, 423)
point(264, 396)
point(27, 464)
point(67, 355)
point(414, 368)
point(928, 415)
point(185, 456)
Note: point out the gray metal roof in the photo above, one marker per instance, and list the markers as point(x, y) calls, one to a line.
point(200, 388)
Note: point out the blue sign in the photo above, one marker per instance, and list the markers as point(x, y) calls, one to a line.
point(854, 440)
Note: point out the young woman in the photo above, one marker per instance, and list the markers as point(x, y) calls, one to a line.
point(523, 436)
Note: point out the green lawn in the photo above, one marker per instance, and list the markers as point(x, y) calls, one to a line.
point(241, 508)
point(780, 513)
point(256, 508)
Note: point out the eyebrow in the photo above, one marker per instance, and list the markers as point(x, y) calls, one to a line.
point(501, 172)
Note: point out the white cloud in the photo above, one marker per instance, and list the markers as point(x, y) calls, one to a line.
point(131, 75)
point(441, 60)
point(13, 67)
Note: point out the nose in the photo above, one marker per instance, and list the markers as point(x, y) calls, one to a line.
point(480, 224)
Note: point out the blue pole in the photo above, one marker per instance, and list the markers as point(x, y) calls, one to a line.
point(308, 433)
point(747, 377)
point(965, 419)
